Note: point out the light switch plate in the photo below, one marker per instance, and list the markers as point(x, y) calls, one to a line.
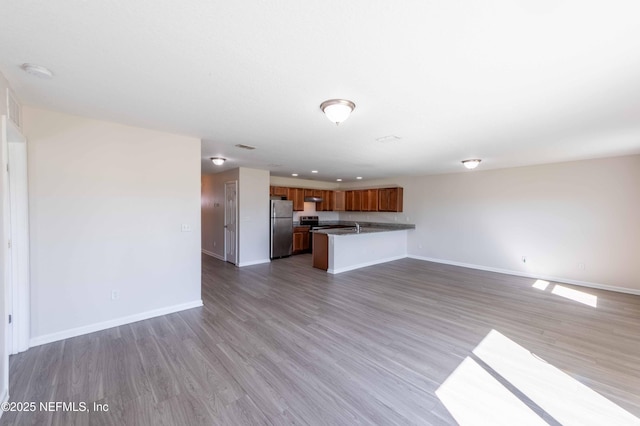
point(186, 227)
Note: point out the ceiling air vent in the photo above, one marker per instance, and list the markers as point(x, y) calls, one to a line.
point(388, 139)
point(14, 109)
point(242, 146)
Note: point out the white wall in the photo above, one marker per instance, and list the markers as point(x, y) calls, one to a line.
point(302, 183)
point(106, 206)
point(212, 203)
point(558, 215)
point(4, 85)
point(253, 213)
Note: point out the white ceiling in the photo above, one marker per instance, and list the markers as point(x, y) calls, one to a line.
point(511, 82)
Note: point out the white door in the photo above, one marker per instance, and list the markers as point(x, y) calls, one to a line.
point(231, 222)
point(19, 204)
point(16, 229)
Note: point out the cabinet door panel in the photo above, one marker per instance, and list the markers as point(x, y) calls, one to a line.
point(339, 201)
point(297, 196)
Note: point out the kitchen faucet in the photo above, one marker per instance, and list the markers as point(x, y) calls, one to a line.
point(357, 228)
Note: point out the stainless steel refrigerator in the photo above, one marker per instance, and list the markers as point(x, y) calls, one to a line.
point(281, 228)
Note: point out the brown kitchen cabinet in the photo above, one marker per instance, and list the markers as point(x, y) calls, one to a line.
point(339, 201)
point(390, 199)
point(320, 251)
point(280, 191)
point(354, 200)
point(369, 200)
point(297, 196)
point(326, 205)
point(350, 201)
point(301, 239)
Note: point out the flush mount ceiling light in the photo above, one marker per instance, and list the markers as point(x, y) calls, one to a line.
point(471, 164)
point(37, 71)
point(337, 110)
point(218, 161)
point(294, 174)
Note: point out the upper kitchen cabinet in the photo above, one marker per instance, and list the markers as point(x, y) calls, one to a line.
point(369, 200)
point(279, 191)
point(339, 201)
point(297, 196)
point(353, 200)
point(390, 199)
point(326, 205)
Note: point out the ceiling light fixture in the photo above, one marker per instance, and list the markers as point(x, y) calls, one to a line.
point(314, 171)
point(339, 180)
point(471, 164)
point(218, 161)
point(337, 110)
point(359, 177)
point(294, 174)
point(37, 71)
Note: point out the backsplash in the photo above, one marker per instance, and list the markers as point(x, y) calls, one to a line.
point(310, 210)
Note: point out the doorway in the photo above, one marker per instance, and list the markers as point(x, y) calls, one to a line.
point(231, 222)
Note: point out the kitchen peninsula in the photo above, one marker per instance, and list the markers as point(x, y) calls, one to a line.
point(345, 249)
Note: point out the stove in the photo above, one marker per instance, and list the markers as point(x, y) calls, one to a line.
point(311, 221)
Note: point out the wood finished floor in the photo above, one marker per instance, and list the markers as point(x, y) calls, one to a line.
point(283, 343)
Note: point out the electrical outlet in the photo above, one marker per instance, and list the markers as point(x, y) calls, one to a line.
point(186, 227)
point(581, 266)
point(115, 294)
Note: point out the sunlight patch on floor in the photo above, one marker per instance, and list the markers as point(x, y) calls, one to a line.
point(568, 293)
point(541, 284)
point(560, 395)
point(474, 397)
point(576, 295)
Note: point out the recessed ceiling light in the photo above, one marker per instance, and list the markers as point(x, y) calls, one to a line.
point(471, 164)
point(294, 174)
point(37, 71)
point(339, 180)
point(314, 171)
point(359, 177)
point(218, 161)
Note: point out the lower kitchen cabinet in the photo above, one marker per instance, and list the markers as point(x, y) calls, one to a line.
point(301, 239)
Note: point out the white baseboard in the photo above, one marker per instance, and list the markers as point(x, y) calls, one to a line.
point(530, 275)
point(66, 334)
point(212, 254)
point(253, 262)
point(365, 264)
